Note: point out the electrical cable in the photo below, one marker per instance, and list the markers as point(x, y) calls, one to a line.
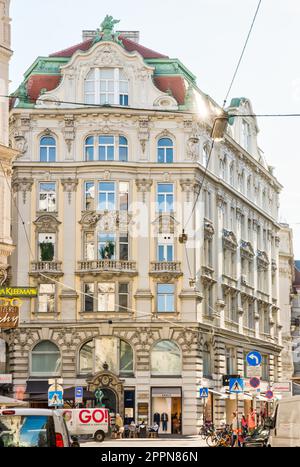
point(242, 54)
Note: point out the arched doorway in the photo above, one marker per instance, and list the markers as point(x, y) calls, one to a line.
point(109, 392)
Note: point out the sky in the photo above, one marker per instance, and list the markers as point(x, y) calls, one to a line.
point(207, 36)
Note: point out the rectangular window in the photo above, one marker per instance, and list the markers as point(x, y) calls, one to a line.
point(166, 298)
point(107, 196)
point(165, 248)
point(251, 317)
point(123, 196)
point(123, 247)
point(265, 368)
point(106, 297)
point(106, 148)
point(89, 200)
point(89, 290)
point(165, 197)
point(46, 298)
point(107, 86)
point(123, 298)
point(89, 246)
point(47, 197)
point(106, 246)
point(89, 149)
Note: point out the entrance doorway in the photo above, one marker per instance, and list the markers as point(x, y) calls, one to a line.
point(167, 410)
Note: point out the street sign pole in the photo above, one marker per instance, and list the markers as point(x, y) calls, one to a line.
point(237, 418)
point(204, 406)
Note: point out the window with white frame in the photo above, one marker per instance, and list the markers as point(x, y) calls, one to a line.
point(107, 196)
point(47, 149)
point(106, 148)
point(46, 298)
point(165, 249)
point(106, 296)
point(47, 197)
point(165, 197)
point(166, 298)
point(106, 246)
point(107, 86)
point(165, 151)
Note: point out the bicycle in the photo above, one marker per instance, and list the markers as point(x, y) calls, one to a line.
point(206, 430)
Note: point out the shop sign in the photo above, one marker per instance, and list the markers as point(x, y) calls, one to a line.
point(9, 317)
point(5, 379)
point(166, 392)
point(19, 292)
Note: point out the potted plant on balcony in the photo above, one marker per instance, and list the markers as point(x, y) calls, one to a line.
point(47, 251)
point(108, 251)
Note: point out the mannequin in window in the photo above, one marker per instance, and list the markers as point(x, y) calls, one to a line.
point(164, 420)
point(156, 418)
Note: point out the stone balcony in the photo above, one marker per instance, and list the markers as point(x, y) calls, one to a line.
point(53, 268)
point(168, 269)
point(107, 266)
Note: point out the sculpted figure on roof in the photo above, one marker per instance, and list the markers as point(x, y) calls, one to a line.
point(107, 27)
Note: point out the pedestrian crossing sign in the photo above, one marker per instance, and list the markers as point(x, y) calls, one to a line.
point(203, 393)
point(236, 385)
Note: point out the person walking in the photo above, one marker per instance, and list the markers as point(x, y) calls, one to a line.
point(119, 424)
point(235, 431)
point(251, 421)
point(244, 425)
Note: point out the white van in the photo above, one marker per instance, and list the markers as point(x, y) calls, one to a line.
point(285, 424)
point(30, 428)
point(93, 422)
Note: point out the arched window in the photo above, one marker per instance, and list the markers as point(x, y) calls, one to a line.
point(106, 148)
point(47, 149)
point(114, 352)
point(45, 359)
point(106, 86)
point(207, 367)
point(166, 359)
point(165, 151)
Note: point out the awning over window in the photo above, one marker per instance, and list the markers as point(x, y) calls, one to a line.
point(37, 387)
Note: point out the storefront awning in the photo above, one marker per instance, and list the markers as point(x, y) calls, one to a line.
point(37, 387)
point(220, 394)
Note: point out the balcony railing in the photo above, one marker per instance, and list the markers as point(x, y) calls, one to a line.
point(172, 268)
point(107, 265)
point(48, 267)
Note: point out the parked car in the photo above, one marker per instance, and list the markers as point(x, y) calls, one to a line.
point(34, 428)
point(95, 423)
point(258, 439)
point(285, 424)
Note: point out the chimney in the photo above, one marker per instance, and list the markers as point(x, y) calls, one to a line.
point(132, 35)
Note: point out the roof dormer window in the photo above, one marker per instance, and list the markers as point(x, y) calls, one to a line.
point(106, 86)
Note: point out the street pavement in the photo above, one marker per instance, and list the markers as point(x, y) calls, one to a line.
point(180, 442)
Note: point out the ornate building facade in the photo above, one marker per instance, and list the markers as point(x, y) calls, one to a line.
point(6, 156)
point(115, 139)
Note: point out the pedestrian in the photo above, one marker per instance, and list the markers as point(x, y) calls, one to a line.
point(244, 425)
point(119, 424)
point(251, 421)
point(235, 431)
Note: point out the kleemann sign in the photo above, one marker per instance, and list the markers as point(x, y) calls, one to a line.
point(16, 292)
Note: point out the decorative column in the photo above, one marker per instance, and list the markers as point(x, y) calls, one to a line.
point(68, 295)
point(142, 239)
point(219, 253)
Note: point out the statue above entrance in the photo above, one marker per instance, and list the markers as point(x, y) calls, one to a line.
point(107, 29)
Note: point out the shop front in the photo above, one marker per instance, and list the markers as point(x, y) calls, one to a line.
point(166, 409)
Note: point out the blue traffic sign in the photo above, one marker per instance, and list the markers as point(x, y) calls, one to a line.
point(78, 395)
point(254, 358)
point(236, 385)
point(203, 393)
point(55, 399)
point(269, 394)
